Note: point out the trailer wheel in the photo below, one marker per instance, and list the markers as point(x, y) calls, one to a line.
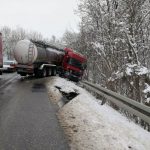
point(41, 73)
point(48, 72)
point(37, 73)
point(23, 74)
point(54, 72)
point(44, 73)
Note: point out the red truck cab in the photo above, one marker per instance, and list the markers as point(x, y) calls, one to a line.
point(73, 64)
point(1, 54)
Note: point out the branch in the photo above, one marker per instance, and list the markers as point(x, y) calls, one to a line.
point(133, 50)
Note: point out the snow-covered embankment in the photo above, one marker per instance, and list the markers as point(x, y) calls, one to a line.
point(91, 126)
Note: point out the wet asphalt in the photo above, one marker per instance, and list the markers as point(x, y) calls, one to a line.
point(28, 119)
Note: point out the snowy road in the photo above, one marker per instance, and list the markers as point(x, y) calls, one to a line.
point(7, 78)
point(27, 117)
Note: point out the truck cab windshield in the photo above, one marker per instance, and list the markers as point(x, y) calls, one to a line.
point(75, 63)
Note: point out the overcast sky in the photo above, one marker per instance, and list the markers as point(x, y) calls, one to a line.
point(49, 17)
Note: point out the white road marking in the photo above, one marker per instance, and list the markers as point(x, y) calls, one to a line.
point(9, 81)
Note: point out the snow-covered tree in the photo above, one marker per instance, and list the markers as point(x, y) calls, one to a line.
point(115, 37)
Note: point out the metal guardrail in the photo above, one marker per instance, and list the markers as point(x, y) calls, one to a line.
point(128, 104)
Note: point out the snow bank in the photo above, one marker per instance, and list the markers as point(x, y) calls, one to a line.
point(53, 92)
point(91, 126)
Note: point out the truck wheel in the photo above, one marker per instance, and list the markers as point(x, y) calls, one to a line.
point(41, 73)
point(54, 72)
point(48, 72)
point(23, 74)
point(44, 73)
point(37, 73)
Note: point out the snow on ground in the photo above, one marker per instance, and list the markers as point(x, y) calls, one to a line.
point(91, 126)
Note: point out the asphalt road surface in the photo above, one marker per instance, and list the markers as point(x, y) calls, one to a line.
point(27, 117)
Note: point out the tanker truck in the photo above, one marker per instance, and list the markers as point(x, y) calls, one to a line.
point(41, 59)
point(1, 54)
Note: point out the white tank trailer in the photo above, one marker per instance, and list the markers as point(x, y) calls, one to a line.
point(38, 56)
point(27, 52)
